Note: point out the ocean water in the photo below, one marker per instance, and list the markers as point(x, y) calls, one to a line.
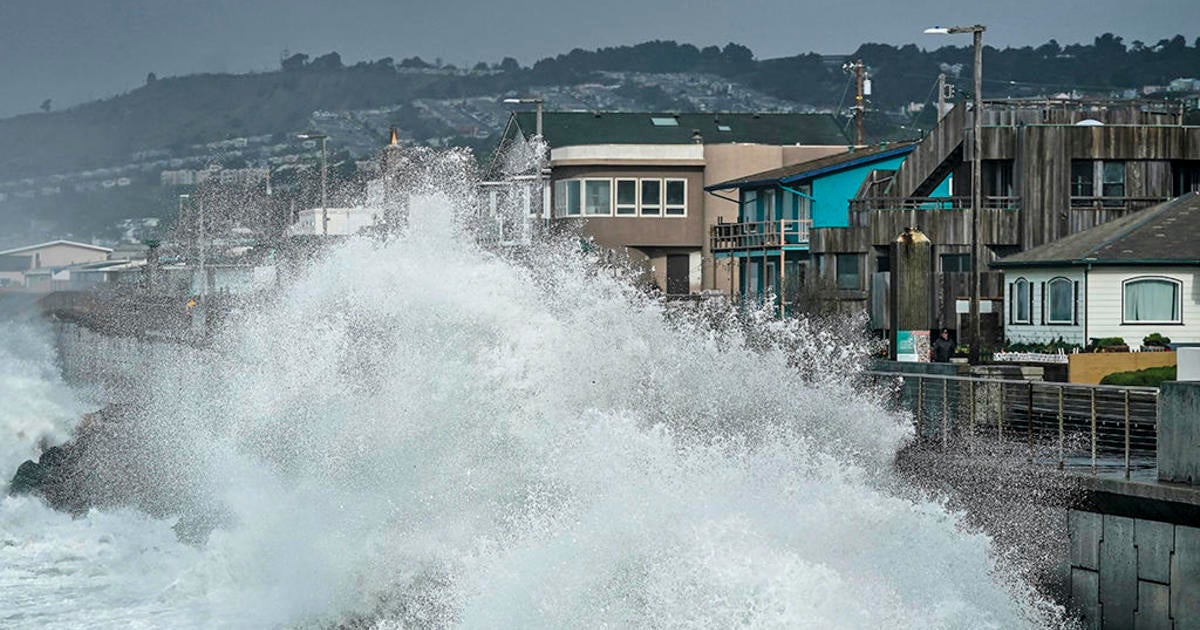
point(424, 434)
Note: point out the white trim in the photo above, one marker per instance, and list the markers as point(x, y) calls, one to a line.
point(1178, 300)
point(641, 208)
point(617, 205)
point(584, 196)
point(1016, 307)
point(1050, 300)
point(58, 242)
point(666, 207)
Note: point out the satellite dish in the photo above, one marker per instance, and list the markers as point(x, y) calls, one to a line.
point(1089, 122)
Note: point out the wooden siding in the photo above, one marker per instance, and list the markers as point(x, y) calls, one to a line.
point(1105, 306)
point(943, 227)
point(913, 177)
point(1039, 330)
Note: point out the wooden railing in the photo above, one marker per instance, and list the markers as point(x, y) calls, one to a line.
point(932, 203)
point(759, 234)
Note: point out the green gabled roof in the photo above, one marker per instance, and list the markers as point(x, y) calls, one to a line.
point(563, 129)
point(793, 173)
point(1166, 234)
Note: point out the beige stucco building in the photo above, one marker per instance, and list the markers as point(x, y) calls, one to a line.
point(636, 182)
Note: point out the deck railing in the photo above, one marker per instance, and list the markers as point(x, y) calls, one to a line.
point(759, 234)
point(1115, 203)
point(1089, 427)
point(932, 203)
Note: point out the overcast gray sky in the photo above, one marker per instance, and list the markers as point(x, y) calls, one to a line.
point(76, 50)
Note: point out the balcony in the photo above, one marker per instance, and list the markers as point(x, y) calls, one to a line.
point(728, 237)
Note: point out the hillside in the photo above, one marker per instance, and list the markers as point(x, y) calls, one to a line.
point(68, 164)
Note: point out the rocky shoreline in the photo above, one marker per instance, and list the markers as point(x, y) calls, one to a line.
point(99, 467)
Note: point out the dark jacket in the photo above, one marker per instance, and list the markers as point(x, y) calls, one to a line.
point(943, 349)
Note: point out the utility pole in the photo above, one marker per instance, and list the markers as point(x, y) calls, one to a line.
point(324, 138)
point(860, 110)
point(976, 176)
point(941, 111)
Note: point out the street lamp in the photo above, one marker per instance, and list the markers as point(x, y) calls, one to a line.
point(539, 102)
point(526, 100)
point(976, 173)
point(324, 207)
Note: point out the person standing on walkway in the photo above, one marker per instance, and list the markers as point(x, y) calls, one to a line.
point(943, 347)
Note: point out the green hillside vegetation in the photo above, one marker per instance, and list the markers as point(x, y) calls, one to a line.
point(175, 112)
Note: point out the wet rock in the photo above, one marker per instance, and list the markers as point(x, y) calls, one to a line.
point(29, 478)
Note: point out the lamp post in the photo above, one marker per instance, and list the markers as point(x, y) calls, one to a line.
point(526, 100)
point(538, 102)
point(199, 241)
point(324, 138)
point(976, 174)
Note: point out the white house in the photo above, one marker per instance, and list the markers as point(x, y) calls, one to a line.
point(1127, 278)
point(18, 263)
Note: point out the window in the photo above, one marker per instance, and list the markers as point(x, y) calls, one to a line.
point(652, 196)
point(627, 196)
point(767, 210)
point(1020, 293)
point(1060, 295)
point(1083, 177)
point(597, 197)
point(1114, 179)
point(676, 204)
point(1152, 300)
point(748, 206)
point(1085, 174)
point(664, 121)
point(566, 197)
point(849, 275)
point(956, 263)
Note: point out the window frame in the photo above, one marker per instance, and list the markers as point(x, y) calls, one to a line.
point(584, 197)
point(634, 209)
point(667, 207)
point(837, 271)
point(1049, 301)
point(1015, 295)
point(642, 202)
point(1177, 283)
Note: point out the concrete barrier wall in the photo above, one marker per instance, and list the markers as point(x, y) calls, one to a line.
point(1134, 573)
point(1179, 432)
point(1088, 368)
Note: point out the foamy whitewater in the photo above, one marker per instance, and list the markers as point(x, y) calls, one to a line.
point(423, 434)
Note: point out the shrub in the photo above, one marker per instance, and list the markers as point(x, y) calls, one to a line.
point(1156, 339)
point(1149, 377)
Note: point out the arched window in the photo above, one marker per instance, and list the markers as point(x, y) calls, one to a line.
point(1153, 300)
point(1020, 294)
point(1060, 297)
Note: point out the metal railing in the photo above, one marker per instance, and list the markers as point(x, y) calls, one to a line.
point(1115, 203)
point(932, 203)
point(759, 234)
point(1090, 427)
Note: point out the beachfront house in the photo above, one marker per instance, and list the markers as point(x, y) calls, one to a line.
point(1127, 278)
point(635, 181)
point(790, 226)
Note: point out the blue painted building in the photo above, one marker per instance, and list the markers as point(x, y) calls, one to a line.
point(770, 247)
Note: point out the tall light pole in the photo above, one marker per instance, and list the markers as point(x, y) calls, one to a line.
point(976, 174)
point(538, 102)
point(324, 138)
point(526, 100)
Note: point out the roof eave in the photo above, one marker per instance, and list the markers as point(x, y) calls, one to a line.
point(1111, 262)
